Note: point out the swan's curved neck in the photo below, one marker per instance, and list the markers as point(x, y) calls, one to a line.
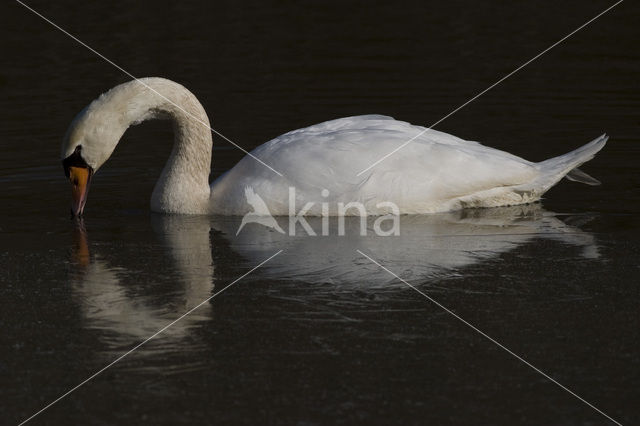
point(183, 186)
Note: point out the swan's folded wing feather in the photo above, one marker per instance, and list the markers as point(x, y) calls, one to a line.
point(435, 166)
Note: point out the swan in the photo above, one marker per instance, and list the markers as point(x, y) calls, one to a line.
point(310, 171)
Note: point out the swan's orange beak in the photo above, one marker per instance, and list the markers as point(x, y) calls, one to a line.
point(80, 178)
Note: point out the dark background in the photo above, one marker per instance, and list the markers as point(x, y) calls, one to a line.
point(261, 69)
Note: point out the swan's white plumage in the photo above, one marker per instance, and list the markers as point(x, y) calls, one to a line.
point(435, 172)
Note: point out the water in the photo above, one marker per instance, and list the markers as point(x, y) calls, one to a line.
point(320, 335)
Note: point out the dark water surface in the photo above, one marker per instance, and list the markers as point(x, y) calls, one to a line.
point(320, 335)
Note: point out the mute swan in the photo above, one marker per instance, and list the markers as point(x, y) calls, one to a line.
point(436, 172)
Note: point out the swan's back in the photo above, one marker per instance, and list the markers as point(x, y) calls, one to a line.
point(424, 176)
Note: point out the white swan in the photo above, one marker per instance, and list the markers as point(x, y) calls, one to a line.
point(436, 172)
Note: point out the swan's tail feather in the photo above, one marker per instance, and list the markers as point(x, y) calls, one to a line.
point(578, 175)
point(554, 169)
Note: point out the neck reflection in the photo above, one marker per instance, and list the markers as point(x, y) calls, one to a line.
point(118, 300)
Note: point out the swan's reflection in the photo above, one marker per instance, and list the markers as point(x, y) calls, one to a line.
point(111, 297)
point(428, 248)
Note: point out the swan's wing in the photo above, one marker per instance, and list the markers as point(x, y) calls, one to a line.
point(336, 152)
point(331, 155)
point(368, 124)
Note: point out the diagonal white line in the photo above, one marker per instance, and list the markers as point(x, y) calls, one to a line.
point(490, 87)
point(147, 86)
point(146, 340)
point(492, 340)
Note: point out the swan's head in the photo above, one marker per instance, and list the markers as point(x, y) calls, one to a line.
point(89, 142)
point(97, 129)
